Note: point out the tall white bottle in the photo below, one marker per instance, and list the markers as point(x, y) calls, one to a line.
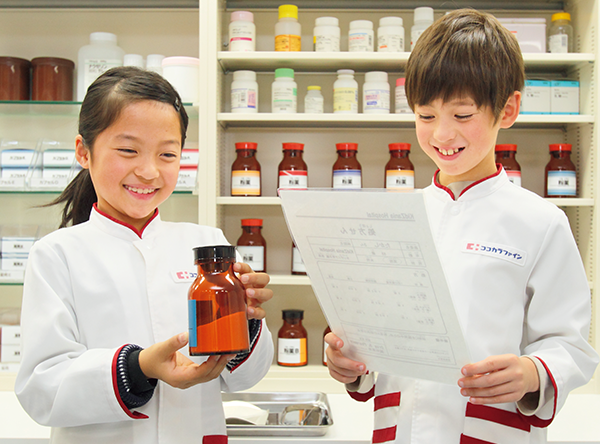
point(99, 56)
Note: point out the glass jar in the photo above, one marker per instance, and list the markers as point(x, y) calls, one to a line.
point(505, 156)
point(399, 171)
point(298, 267)
point(245, 171)
point(252, 245)
point(561, 174)
point(347, 172)
point(292, 349)
point(325, 345)
point(217, 305)
point(293, 172)
point(560, 33)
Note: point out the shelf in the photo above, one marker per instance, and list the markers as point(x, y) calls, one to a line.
point(287, 279)
point(544, 5)
point(308, 61)
point(28, 108)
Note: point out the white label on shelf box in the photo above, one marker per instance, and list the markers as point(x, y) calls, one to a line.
point(189, 157)
point(13, 184)
point(564, 97)
point(186, 179)
point(14, 173)
point(347, 179)
point(13, 262)
point(55, 184)
point(11, 276)
point(58, 158)
point(10, 353)
point(10, 334)
point(562, 183)
point(9, 367)
point(293, 180)
point(20, 245)
point(56, 173)
point(536, 97)
point(253, 256)
point(17, 158)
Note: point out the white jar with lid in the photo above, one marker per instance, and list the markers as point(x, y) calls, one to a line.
point(242, 31)
point(390, 35)
point(154, 63)
point(376, 93)
point(244, 92)
point(326, 35)
point(284, 92)
point(560, 33)
point(401, 100)
point(313, 101)
point(183, 73)
point(288, 32)
point(136, 60)
point(361, 36)
point(94, 59)
point(345, 93)
point(423, 20)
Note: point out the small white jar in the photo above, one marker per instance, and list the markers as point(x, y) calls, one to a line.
point(390, 35)
point(326, 35)
point(183, 73)
point(376, 93)
point(423, 20)
point(244, 92)
point(154, 63)
point(313, 101)
point(284, 92)
point(400, 96)
point(345, 93)
point(136, 60)
point(242, 32)
point(361, 36)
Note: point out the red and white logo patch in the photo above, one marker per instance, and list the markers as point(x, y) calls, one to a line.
point(511, 254)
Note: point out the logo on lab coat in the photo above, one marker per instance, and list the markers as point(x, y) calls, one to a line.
point(498, 251)
point(184, 276)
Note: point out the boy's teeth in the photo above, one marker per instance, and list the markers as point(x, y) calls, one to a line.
point(448, 152)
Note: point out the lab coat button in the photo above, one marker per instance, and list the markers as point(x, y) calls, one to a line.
point(455, 210)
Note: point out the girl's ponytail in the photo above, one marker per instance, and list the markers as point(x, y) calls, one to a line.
point(78, 198)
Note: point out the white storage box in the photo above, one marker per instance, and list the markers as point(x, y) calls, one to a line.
point(530, 32)
point(536, 97)
point(564, 97)
point(187, 179)
point(10, 353)
point(10, 334)
point(13, 262)
point(189, 157)
point(58, 158)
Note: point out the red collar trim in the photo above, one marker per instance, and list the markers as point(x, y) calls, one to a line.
point(449, 191)
point(131, 227)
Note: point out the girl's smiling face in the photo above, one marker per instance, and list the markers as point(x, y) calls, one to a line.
point(134, 163)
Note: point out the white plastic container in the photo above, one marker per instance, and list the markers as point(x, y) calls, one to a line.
point(530, 32)
point(423, 20)
point(154, 63)
point(242, 32)
point(345, 93)
point(401, 101)
point(326, 35)
point(313, 101)
point(390, 35)
point(361, 37)
point(288, 31)
point(244, 92)
point(94, 59)
point(183, 73)
point(284, 92)
point(376, 93)
point(560, 33)
point(136, 60)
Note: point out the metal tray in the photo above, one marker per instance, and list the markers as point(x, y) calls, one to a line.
point(311, 408)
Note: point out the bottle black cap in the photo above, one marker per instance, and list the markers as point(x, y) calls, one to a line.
point(214, 252)
point(292, 314)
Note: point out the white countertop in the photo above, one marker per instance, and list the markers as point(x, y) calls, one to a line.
point(577, 423)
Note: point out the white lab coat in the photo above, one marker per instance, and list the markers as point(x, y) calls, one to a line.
point(89, 290)
point(519, 286)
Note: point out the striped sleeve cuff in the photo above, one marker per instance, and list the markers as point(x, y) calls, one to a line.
point(135, 389)
point(254, 327)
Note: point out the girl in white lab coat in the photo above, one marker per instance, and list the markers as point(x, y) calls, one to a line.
point(104, 358)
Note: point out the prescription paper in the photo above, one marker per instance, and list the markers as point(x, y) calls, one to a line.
point(375, 271)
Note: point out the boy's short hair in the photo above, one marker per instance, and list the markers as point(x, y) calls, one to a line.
point(465, 53)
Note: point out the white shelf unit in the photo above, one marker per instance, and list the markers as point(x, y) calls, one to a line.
point(319, 133)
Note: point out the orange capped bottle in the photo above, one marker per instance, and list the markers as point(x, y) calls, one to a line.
point(561, 174)
point(292, 350)
point(347, 172)
point(293, 173)
point(325, 345)
point(217, 305)
point(399, 171)
point(245, 171)
point(505, 156)
point(252, 245)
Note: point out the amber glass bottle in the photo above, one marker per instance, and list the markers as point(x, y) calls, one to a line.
point(293, 172)
point(325, 345)
point(217, 305)
point(298, 267)
point(292, 349)
point(561, 174)
point(399, 171)
point(505, 156)
point(252, 245)
point(245, 171)
point(347, 172)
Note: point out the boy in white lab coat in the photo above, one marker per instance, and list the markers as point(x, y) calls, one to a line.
point(512, 265)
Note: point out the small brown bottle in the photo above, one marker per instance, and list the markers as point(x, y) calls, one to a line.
point(298, 267)
point(252, 245)
point(561, 174)
point(347, 172)
point(399, 171)
point(293, 172)
point(325, 345)
point(292, 348)
point(217, 305)
point(505, 156)
point(245, 171)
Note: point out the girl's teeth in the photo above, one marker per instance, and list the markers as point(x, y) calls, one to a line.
point(141, 191)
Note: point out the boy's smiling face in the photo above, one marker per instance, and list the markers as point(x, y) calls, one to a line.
point(460, 137)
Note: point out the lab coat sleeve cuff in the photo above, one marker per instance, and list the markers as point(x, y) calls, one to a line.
point(122, 383)
point(254, 329)
point(541, 404)
point(363, 388)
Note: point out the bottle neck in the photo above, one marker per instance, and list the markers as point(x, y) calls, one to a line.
point(505, 154)
point(399, 154)
point(293, 322)
point(252, 229)
point(292, 153)
point(214, 266)
point(561, 154)
point(244, 152)
point(346, 154)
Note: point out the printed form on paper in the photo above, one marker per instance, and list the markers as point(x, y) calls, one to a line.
point(374, 268)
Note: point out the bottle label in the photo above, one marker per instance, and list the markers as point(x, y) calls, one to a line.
point(401, 101)
point(241, 37)
point(562, 183)
point(192, 324)
point(414, 36)
point(94, 67)
point(284, 99)
point(400, 179)
point(253, 256)
point(293, 180)
point(291, 351)
point(245, 183)
point(327, 43)
point(390, 43)
point(360, 42)
point(514, 177)
point(559, 43)
point(287, 42)
point(313, 105)
point(376, 100)
point(297, 264)
point(345, 100)
point(243, 99)
point(347, 179)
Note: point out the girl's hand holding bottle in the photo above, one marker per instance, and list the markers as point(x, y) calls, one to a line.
point(256, 292)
